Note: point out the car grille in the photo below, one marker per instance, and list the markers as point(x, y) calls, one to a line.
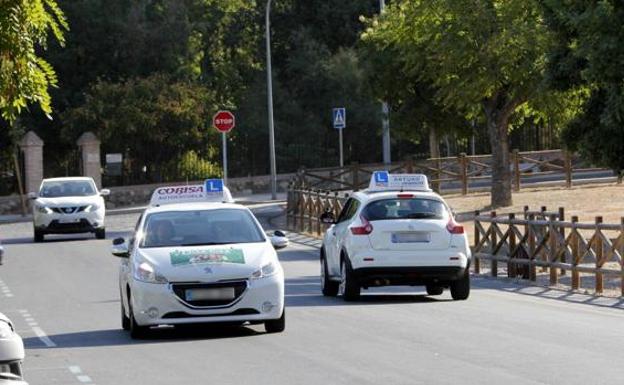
point(181, 314)
point(179, 289)
point(68, 209)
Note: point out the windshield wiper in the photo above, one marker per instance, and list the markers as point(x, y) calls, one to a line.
point(422, 215)
point(206, 243)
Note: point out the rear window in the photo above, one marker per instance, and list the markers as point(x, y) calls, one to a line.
point(409, 208)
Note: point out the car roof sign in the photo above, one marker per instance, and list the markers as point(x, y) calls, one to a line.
point(384, 181)
point(213, 190)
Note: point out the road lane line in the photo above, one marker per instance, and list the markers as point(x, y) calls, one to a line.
point(43, 337)
point(84, 379)
point(75, 369)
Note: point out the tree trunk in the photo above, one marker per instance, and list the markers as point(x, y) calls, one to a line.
point(434, 144)
point(498, 126)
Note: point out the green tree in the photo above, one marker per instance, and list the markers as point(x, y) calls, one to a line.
point(24, 75)
point(589, 53)
point(485, 55)
point(154, 121)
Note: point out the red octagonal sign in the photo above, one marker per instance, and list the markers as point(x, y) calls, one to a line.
point(224, 121)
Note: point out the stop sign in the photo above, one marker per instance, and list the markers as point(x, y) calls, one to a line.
point(224, 121)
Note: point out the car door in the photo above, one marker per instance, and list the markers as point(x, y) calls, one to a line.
point(339, 232)
point(124, 267)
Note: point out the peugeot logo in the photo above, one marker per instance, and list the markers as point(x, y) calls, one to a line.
point(411, 227)
point(208, 270)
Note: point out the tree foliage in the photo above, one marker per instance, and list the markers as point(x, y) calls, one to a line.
point(480, 56)
point(24, 75)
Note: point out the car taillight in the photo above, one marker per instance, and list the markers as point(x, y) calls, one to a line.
point(365, 229)
point(454, 227)
point(405, 196)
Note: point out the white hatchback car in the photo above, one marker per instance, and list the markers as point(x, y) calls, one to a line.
point(193, 260)
point(11, 353)
point(68, 205)
point(397, 232)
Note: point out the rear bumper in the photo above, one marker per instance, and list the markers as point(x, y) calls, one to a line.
point(410, 275)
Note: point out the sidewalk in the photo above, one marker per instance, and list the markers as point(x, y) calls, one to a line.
point(247, 200)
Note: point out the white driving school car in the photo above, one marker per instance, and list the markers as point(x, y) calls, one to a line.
point(11, 354)
point(397, 232)
point(68, 205)
point(196, 257)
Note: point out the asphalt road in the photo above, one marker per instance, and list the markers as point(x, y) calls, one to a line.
point(63, 297)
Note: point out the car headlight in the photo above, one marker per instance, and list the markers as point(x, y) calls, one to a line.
point(145, 272)
point(5, 330)
point(266, 271)
point(44, 209)
point(92, 208)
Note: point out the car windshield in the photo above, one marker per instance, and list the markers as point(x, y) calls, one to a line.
point(201, 227)
point(73, 188)
point(410, 208)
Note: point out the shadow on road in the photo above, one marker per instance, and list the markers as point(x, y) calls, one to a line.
point(306, 292)
point(54, 238)
point(118, 337)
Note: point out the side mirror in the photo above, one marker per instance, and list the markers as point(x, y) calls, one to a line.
point(328, 218)
point(120, 248)
point(279, 240)
point(32, 195)
point(105, 192)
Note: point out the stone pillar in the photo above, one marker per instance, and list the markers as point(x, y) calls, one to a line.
point(90, 148)
point(32, 147)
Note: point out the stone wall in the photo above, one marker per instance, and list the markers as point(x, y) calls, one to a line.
point(139, 195)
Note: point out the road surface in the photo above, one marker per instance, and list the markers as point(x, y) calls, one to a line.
point(63, 297)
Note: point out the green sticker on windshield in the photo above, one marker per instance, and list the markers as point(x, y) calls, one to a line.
point(199, 256)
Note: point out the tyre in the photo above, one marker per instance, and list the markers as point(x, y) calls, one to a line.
point(349, 287)
point(276, 325)
point(125, 321)
point(136, 331)
point(434, 290)
point(328, 287)
point(38, 236)
point(460, 289)
point(100, 233)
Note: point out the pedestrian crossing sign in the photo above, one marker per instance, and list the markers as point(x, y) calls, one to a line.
point(340, 118)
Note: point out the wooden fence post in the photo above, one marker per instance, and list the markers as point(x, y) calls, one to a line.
point(516, 167)
point(303, 202)
point(494, 262)
point(599, 261)
point(576, 277)
point(463, 173)
point(532, 256)
point(567, 165)
point(562, 231)
point(543, 234)
point(622, 265)
point(409, 165)
point(511, 267)
point(477, 239)
point(438, 184)
point(552, 243)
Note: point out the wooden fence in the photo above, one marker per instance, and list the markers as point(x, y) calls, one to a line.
point(458, 171)
point(304, 208)
point(543, 239)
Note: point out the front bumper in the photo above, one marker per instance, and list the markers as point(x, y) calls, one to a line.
point(82, 222)
point(157, 304)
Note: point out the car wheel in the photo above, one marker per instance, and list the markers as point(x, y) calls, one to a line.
point(38, 236)
point(125, 321)
point(460, 289)
point(328, 287)
point(434, 290)
point(136, 331)
point(349, 288)
point(276, 325)
point(100, 233)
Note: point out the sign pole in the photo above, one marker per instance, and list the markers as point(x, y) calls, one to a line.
point(225, 173)
point(341, 151)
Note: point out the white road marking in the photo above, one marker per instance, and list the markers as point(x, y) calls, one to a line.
point(75, 369)
point(5, 290)
point(84, 379)
point(43, 337)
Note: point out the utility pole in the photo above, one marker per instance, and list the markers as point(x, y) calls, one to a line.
point(270, 103)
point(385, 111)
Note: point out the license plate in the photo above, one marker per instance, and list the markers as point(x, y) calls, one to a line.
point(223, 293)
point(69, 220)
point(415, 237)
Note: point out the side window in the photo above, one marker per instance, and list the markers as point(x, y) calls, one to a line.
point(349, 210)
